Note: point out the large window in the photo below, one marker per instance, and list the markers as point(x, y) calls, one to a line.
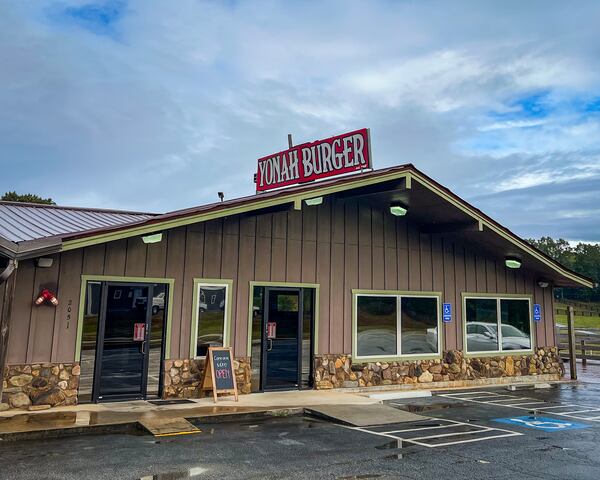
point(393, 325)
point(498, 324)
point(212, 317)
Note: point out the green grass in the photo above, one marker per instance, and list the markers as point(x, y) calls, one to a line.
point(580, 321)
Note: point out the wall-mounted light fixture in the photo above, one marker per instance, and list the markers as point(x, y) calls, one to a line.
point(44, 262)
point(46, 296)
point(398, 210)
point(152, 238)
point(314, 201)
point(543, 283)
point(512, 262)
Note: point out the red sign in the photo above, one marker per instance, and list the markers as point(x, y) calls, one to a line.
point(271, 330)
point(345, 153)
point(139, 332)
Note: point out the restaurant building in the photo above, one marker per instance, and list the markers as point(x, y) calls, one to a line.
point(376, 278)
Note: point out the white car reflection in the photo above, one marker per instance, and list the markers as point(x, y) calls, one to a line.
point(483, 337)
point(379, 341)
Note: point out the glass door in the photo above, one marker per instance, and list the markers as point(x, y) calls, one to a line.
point(123, 341)
point(282, 338)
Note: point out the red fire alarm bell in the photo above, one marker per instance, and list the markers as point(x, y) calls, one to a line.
point(46, 296)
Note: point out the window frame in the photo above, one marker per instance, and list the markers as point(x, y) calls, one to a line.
point(399, 355)
point(210, 282)
point(498, 297)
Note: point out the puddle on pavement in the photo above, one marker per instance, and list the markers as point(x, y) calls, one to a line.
point(181, 474)
point(405, 449)
point(364, 476)
point(395, 445)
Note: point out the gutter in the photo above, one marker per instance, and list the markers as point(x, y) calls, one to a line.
point(30, 249)
point(8, 270)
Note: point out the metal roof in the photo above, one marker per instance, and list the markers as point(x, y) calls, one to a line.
point(20, 222)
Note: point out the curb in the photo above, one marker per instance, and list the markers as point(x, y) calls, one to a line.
point(135, 428)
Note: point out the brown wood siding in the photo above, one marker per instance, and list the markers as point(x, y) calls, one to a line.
point(341, 245)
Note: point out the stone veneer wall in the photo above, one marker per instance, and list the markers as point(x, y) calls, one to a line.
point(338, 371)
point(40, 386)
point(182, 377)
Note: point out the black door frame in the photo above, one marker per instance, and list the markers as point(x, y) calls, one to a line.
point(264, 340)
point(145, 344)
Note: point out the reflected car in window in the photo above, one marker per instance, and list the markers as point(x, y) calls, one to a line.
point(483, 337)
point(158, 302)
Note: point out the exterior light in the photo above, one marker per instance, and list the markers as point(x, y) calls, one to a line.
point(46, 296)
point(398, 210)
point(44, 262)
point(152, 238)
point(543, 283)
point(512, 262)
point(314, 201)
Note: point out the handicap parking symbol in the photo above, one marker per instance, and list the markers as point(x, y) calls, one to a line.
point(447, 312)
point(537, 312)
point(545, 424)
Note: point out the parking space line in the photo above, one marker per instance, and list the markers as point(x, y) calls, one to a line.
point(512, 399)
point(513, 434)
point(537, 405)
point(437, 427)
point(560, 406)
point(475, 429)
point(485, 396)
point(580, 411)
point(471, 432)
point(466, 393)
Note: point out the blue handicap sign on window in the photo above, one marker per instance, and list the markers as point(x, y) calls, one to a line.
point(447, 312)
point(545, 424)
point(537, 312)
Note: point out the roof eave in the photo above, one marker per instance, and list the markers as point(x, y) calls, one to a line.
point(296, 196)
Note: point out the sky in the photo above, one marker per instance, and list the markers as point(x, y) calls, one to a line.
point(155, 106)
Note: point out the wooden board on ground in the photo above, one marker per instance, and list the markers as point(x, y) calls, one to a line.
point(219, 375)
point(166, 427)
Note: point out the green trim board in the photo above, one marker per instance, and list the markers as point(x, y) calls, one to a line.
point(211, 282)
point(108, 278)
point(398, 294)
point(315, 286)
point(497, 297)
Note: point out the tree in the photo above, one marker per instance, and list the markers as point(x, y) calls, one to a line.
point(26, 198)
point(584, 258)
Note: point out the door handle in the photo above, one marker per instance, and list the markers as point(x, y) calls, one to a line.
point(270, 344)
point(143, 352)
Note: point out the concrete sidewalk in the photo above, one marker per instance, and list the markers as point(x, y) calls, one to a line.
point(92, 418)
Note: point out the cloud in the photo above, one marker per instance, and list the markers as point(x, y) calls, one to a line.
point(148, 105)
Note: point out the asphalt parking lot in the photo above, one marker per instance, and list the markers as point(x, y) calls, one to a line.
point(488, 433)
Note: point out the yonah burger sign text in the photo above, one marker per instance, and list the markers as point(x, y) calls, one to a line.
point(337, 155)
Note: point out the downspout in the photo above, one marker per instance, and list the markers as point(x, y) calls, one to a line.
point(8, 279)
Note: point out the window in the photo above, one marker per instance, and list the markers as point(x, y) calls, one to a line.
point(498, 324)
point(212, 317)
point(392, 325)
point(376, 325)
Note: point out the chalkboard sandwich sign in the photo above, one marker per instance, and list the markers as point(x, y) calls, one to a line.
point(219, 375)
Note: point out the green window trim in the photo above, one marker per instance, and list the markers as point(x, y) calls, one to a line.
point(398, 294)
point(211, 282)
point(315, 286)
point(109, 278)
point(498, 298)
